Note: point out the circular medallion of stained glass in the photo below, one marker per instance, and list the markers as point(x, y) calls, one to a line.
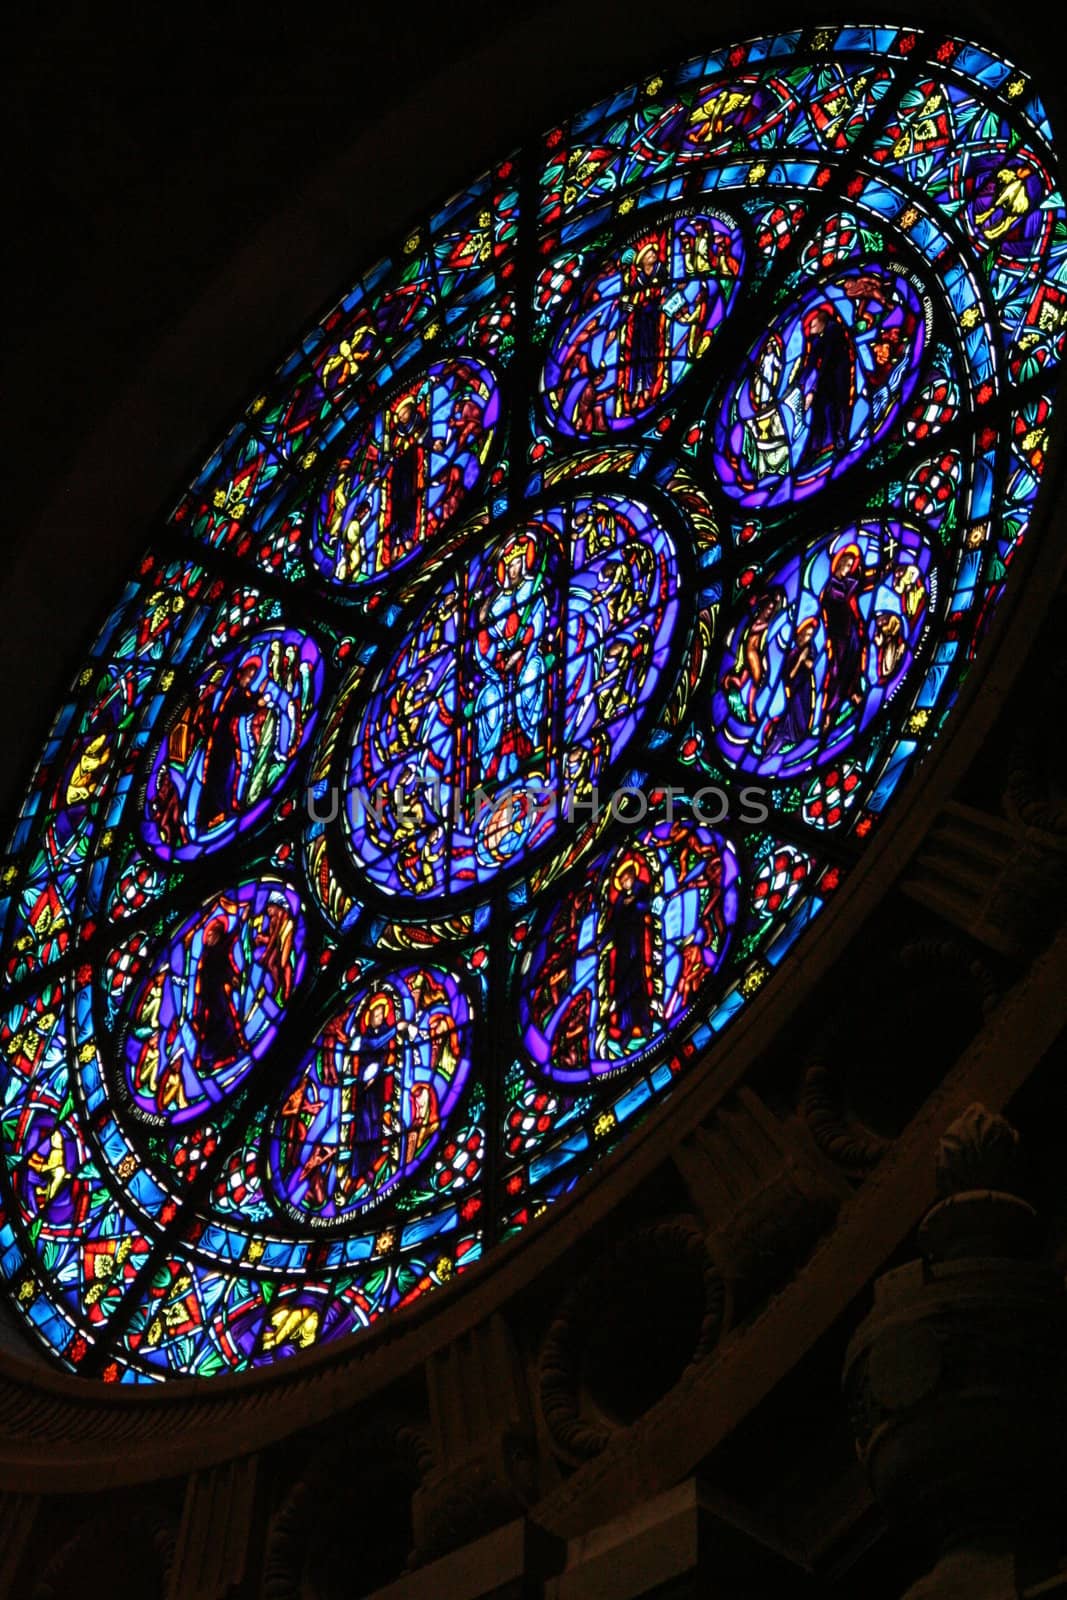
point(520, 683)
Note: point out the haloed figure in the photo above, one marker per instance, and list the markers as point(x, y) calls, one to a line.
point(645, 287)
point(843, 625)
point(510, 704)
point(628, 950)
point(405, 478)
point(368, 1111)
point(377, 1063)
point(828, 367)
point(215, 1017)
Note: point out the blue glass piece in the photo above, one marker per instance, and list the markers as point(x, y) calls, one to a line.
point(876, 41)
point(632, 1101)
point(428, 1228)
point(986, 69)
point(892, 774)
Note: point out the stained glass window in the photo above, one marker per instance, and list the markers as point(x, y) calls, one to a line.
point(513, 687)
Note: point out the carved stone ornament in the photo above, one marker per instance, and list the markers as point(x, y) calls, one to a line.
point(979, 1151)
point(481, 1469)
point(956, 1380)
point(581, 1430)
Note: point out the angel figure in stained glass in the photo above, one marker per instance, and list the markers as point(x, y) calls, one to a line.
point(51, 1167)
point(1005, 201)
point(725, 111)
point(297, 1326)
point(90, 770)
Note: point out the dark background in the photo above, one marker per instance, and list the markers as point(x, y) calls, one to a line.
point(152, 149)
point(146, 143)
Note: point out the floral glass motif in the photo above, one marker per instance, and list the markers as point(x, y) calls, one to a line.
point(512, 688)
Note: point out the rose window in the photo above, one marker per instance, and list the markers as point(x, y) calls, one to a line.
point(513, 687)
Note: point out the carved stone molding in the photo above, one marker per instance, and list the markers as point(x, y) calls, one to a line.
point(605, 1295)
point(17, 1513)
point(838, 1134)
point(688, 1541)
point(353, 1487)
point(211, 1551)
point(283, 1560)
point(138, 1537)
point(1029, 800)
point(992, 878)
point(763, 1195)
point(980, 1150)
point(482, 1453)
point(516, 1561)
point(714, 1397)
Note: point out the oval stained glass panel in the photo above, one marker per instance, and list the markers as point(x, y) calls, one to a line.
point(821, 387)
point(232, 743)
point(407, 475)
point(213, 1001)
point(822, 644)
point(621, 960)
point(370, 1103)
point(516, 689)
point(646, 316)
